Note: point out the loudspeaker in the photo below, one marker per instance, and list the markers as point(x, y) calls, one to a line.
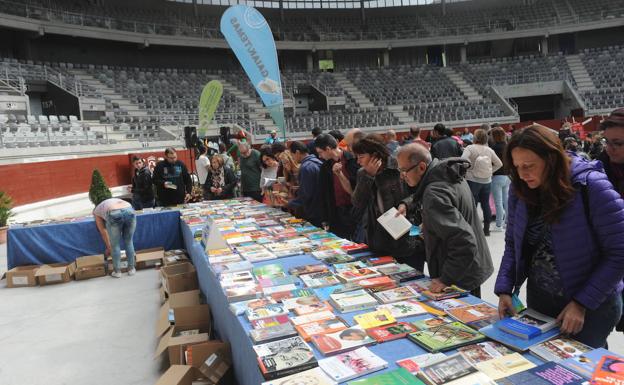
point(190, 136)
point(224, 134)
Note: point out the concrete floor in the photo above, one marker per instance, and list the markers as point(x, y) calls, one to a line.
point(101, 331)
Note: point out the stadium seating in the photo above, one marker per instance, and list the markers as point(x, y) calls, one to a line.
point(604, 66)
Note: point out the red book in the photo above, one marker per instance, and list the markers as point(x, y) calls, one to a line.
point(375, 261)
point(610, 371)
point(355, 248)
point(391, 332)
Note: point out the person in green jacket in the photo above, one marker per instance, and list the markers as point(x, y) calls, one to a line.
point(250, 168)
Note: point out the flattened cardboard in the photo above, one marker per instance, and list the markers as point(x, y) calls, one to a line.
point(22, 276)
point(186, 317)
point(55, 273)
point(175, 346)
point(149, 258)
point(178, 375)
point(178, 278)
point(90, 266)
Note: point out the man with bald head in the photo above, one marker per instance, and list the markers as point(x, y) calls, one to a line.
point(353, 136)
point(456, 249)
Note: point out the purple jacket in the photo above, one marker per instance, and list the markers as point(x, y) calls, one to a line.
point(590, 261)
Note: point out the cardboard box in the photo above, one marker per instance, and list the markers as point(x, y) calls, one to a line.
point(214, 359)
point(186, 318)
point(22, 276)
point(177, 300)
point(174, 259)
point(123, 264)
point(90, 266)
point(178, 278)
point(149, 258)
point(163, 295)
point(55, 273)
point(181, 375)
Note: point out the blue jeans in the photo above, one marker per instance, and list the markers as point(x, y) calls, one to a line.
point(500, 192)
point(120, 225)
point(598, 323)
point(139, 204)
point(481, 194)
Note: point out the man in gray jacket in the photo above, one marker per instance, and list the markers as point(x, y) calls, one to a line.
point(456, 249)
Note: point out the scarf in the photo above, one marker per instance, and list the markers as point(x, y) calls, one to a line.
point(218, 178)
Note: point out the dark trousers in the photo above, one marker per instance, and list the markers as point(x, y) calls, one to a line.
point(257, 195)
point(343, 224)
point(481, 194)
point(476, 292)
point(598, 323)
point(140, 204)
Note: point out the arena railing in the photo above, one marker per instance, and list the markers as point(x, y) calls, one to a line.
point(114, 23)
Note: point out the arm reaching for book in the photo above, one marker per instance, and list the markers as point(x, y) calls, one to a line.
point(101, 226)
point(571, 318)
point(505, 306)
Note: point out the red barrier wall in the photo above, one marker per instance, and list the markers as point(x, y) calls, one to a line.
point(34, 182)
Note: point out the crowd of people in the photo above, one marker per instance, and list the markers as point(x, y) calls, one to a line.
point(562, 212)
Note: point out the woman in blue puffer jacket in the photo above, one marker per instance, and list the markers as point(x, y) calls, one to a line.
point(565, 237)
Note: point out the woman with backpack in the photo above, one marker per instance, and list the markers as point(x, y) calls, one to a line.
point(564, 237)
point(483, 162)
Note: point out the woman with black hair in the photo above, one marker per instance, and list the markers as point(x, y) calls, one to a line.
point(379, 188)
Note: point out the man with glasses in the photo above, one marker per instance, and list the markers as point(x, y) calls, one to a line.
point(612, 157)
point(172, 180)
point(456, 249)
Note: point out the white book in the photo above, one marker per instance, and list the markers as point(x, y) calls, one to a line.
point(395, 226)
point(350, 365)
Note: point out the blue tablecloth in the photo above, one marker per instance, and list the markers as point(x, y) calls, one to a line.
point(235, 329)
point(36, 245)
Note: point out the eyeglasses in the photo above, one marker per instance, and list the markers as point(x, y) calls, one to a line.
point(405, 171)
point(613, 144)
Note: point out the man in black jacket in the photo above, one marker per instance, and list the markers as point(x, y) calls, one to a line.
point(456, 249)
point(444, 146)
point(142, 189)
point(337, 181)
point(172, 180)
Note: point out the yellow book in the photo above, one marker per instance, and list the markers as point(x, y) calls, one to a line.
point(374, 319)
point(505, 366)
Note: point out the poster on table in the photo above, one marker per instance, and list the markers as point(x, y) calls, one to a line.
point(248, 34)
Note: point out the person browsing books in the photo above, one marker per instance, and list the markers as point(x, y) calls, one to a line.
point(220, 181)
point(116, 221)
point(455, 246)
point(563, 236)
point(172, 180)
point(379, 188)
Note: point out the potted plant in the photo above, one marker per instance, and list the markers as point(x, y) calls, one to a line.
point(98, 191)
point(5, 214)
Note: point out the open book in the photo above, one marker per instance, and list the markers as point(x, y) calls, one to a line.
point(395, 226)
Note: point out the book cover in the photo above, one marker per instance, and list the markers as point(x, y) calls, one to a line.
point(315, 280)
point(447, 371)
point(258, 256)
point(306, 331)
point(377, 284)
point(550, 373)
point(324, 254)
point(342, 341)
point(391, 332)
point(236, 278)
point(397, 294)
point(242, 292)
point(376, 261)
point(291, 303)
point(353, 364)
point(340, 267)
point(514, 342)
point(354, 248)
point(315, 307)
point(263, 335)
point(374, 319)
point(527, 324)
point(407, 308)
point(282, 295)
point(231, 267)
point(312, 317)
point(323, 293)
point(407, 275)
point(609, 371)
point(429, 322)
point(483, 351)
point(394, 377)
point(446, 337)
point(227, 258)
point(284, 357)
point(353, 300)
point(239, 308)
point(338, 259)
point(394, 268)
point(308, 269)
point(268, 291)
point(559, 349)
point(396, 225)
point(414, 364)
point(504, 366)
point(276, 281)
point(267, 311)
point(273, 270)
point(472, 313)
point(420, 285)
point(269, 322)
point(314, 376)
point(353, 275)
point(447, 304)
point(586, 363)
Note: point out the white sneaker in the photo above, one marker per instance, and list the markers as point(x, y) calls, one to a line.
point(497, 229)
point(116, 274)
point(132, 272)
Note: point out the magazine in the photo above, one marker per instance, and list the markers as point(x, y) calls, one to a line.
point(350, 365)
point(446, 337)
point(284, 357)
point(342, 341)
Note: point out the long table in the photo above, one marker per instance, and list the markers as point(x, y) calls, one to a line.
point(234, 329)
point(64, 242)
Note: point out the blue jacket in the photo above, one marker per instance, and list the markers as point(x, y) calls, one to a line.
point(589, 254)
point(309, 192)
